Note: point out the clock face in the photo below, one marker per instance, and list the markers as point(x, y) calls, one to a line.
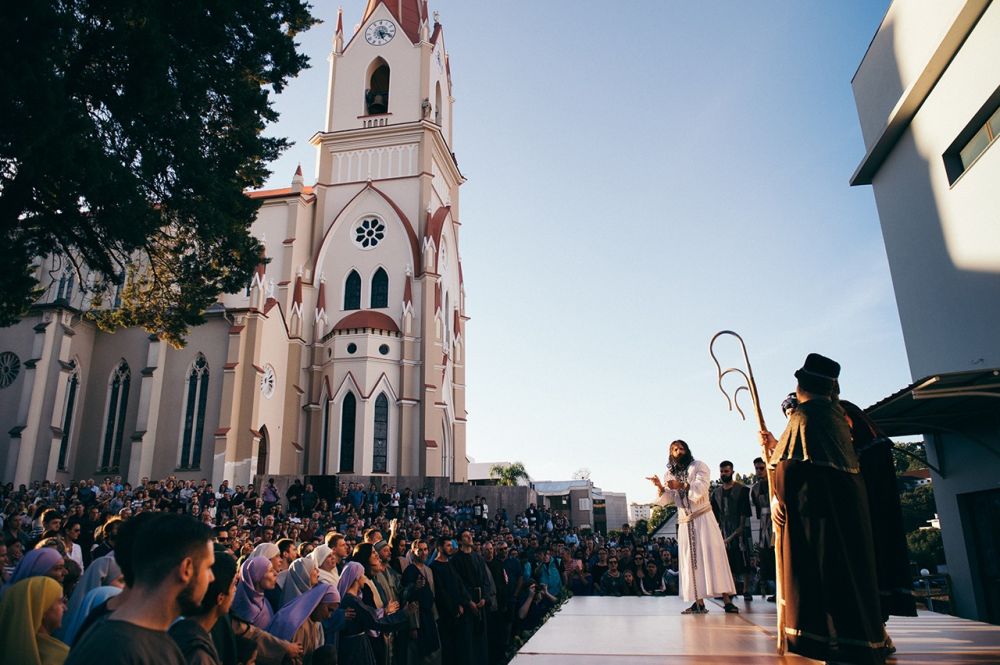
point(380, 32)
point(267, 382)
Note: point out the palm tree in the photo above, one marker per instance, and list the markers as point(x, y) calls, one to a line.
point(508, 475)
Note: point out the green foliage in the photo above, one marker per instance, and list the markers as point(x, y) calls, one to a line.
point(660, 514)
point(641, 528)
point(128, 134)
point(903, 456)
point(918, 507)
point(508, 474)
point(926, 547)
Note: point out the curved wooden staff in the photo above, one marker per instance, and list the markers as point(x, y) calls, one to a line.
point(751, 387)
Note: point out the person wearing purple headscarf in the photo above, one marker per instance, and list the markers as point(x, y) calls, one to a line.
point(354, 647)
point(43, 561)
point(256, 576)
point(299, 621)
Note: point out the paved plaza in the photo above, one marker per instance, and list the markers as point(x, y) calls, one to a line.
point(615, 631)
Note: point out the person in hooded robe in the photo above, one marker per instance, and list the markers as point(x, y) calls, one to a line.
point(46, 561)
point(193, 633)
point(829, 586)
point(30, 612)
point(103, 572)
point(300, 621)
point(424, 645)
point(302, 576)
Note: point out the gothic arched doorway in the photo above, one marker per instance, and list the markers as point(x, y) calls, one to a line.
point(262, 453)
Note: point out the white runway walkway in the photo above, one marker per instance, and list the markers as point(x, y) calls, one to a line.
point(615, 631)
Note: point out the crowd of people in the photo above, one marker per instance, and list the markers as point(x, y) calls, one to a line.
point(184, 572)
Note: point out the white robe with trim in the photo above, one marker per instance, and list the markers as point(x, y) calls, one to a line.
point(704, 565)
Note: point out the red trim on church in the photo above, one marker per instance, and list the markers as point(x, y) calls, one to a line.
point(408, 13)
point(367, 319)
point(278, 193)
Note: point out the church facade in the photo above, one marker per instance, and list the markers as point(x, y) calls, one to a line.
point(346, 352)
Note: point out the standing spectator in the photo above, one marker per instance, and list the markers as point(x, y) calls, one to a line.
point(760, 499)
point(424, 645)
point(192, 634)
point(472, 570)
point(172, 573)
point(43, 562)
point(294, 496)
point(453, 601)
point(256, 577)
point(270, 496)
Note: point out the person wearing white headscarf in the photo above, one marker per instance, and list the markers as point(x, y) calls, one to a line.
point(103, 571)
point(303, 575)
point(327, 564)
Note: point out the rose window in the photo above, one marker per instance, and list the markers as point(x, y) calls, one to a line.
point(10, 367)
point(369, 233)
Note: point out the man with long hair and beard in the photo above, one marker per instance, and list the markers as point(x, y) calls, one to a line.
point(704, 565)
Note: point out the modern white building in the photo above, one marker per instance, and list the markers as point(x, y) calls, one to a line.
point(346, 352)
point(639, 511)
point(928, 98)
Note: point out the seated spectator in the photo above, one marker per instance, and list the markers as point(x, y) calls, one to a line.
point(652, 583)
point(534, 603)
point(612, 582)
point(629, 586)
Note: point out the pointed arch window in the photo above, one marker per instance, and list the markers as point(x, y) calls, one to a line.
point(380, 454)
point(437, 103)
point(327, 405)
point(377, 92)
point(348, 415)
point(352, 291)
point(380, 289)
point(114, 427)
point(69, 408)
point(66, 284)
point(196, 396)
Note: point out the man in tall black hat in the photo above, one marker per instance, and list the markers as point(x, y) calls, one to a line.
point(828, 584)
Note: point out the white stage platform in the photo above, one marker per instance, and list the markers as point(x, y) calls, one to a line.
point(615, 631)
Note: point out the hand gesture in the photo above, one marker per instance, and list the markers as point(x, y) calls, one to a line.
point(656, 481)
point(293, 649)
point(674, 484)
point(392, 607)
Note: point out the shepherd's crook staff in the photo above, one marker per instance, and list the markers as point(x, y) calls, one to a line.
point(751, 387)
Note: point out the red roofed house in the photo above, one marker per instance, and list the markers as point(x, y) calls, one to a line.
point(342, 355)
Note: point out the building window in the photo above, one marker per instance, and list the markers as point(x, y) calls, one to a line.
point(10, 367)
point(380, 289)
point(377, 93)
point(352, 291)
point(327, 405)
point(194, 414)
point(369, 233)
point(981, 140)
point(114, 427)
point(981, 132)
point(381, 452)
point(72, 385)
point(66, 283)
point(348, 413)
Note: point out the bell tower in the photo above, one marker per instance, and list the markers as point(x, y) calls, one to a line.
point(386, 233)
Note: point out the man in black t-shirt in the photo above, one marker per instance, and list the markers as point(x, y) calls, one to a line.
point(731, 505)
point(172, 559)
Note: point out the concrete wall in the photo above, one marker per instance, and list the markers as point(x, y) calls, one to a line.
point(942, 239)
point(969, 463)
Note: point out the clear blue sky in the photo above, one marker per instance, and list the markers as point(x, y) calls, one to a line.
point(641, 175)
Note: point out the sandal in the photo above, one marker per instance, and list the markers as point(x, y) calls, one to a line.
point(731, 609)
point(695, 609)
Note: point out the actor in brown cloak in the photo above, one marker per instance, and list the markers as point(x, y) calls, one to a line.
point(829, 585)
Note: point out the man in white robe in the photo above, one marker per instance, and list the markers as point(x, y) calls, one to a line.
point(704, 565)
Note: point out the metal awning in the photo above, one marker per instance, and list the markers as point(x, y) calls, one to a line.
point(948, 402)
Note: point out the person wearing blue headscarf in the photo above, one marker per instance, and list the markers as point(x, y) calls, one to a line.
point(45, 561)
point(102, 572)
point(354, 647)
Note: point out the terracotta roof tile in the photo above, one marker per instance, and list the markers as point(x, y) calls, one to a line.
point(367, 318)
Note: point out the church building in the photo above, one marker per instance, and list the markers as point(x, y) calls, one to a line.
point(346, 352)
